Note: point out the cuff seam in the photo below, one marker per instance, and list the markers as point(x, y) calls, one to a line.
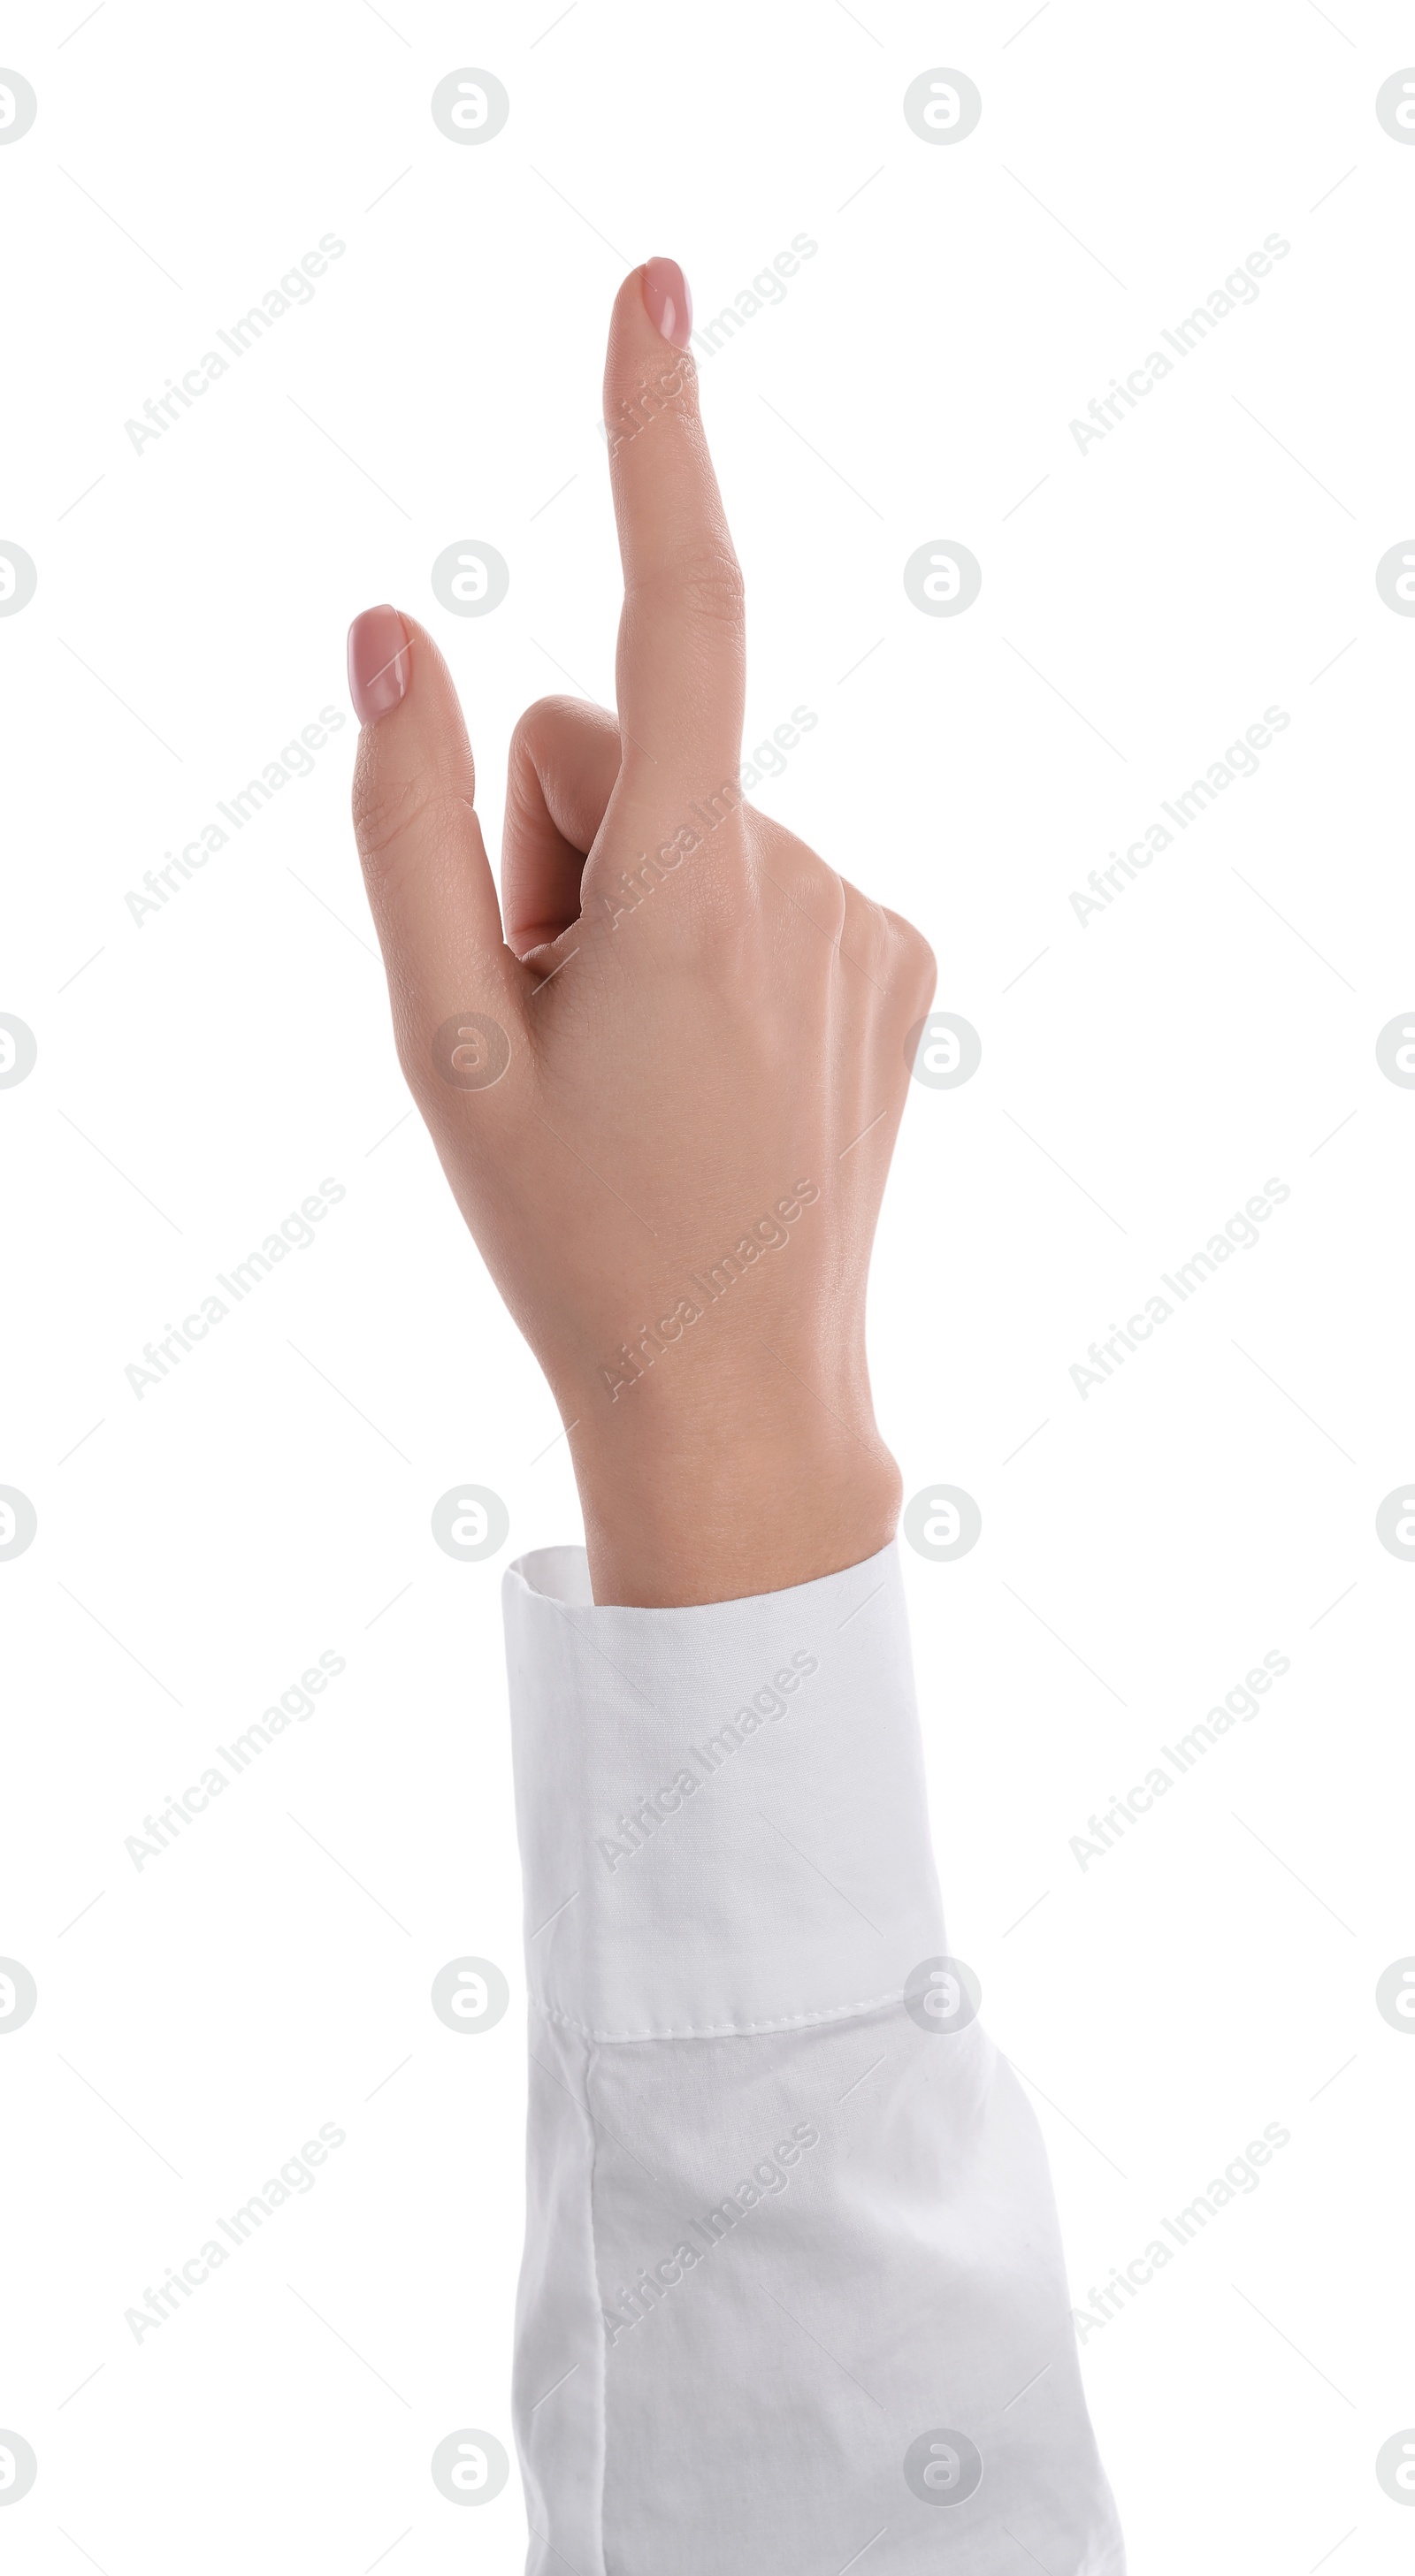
point(722, 2029)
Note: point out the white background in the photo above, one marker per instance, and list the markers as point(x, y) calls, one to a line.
point(198, 1075)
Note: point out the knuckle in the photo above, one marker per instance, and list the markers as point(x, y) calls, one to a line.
point(798, 880)
point(917, 963)
point(923, 965)
point(865, 938)
point(809, 891)
point(533, 728)
point(393, 815)
point(706, 580)
point(411, 1053)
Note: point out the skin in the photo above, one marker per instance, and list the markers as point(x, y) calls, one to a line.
point(676, 1068)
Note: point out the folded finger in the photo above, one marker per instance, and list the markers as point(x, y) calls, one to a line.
point(563, 763)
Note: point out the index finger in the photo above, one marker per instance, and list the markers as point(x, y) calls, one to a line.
point(681, 670)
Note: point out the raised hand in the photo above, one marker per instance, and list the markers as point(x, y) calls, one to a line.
point(665, 1073)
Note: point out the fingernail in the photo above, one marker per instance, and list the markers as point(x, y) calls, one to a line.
point(667, 301)
point(379, 663)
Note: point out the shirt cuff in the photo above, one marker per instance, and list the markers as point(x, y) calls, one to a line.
point(722, 1810)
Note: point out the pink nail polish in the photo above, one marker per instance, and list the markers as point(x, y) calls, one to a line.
point(667, 301)
point(379, 663)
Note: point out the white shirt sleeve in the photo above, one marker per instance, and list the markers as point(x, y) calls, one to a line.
point(792, 2293)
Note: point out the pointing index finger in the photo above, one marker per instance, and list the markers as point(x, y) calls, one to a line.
point(682, 655)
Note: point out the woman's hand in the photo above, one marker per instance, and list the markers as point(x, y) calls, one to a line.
point(666, 1092)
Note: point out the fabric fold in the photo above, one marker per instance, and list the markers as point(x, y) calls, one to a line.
point(793, 2276)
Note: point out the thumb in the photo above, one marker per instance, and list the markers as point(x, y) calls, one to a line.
point(429, 883)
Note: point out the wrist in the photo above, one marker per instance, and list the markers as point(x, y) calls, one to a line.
point(681, 1508)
